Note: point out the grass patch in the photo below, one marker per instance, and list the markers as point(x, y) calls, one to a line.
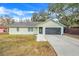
point(24, 45)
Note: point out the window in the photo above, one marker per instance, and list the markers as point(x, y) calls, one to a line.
point(30, 29)
point(36, 28)
point(17, 29)
point(40, 30)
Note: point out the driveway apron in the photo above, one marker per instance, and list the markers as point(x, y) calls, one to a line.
point(64, 45)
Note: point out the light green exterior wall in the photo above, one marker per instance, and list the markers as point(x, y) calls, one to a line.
point(48, 24)
point(22, 31)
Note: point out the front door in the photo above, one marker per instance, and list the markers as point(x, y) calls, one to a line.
point(40, 30)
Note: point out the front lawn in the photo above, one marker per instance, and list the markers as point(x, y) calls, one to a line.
point(24, 45)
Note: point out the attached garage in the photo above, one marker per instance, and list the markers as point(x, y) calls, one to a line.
point(52, 31)
point(51, 27)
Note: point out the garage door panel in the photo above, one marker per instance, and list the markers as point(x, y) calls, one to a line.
point(53, 31)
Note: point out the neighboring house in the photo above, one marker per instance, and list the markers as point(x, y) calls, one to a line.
point(48, 27)
point(3, 29)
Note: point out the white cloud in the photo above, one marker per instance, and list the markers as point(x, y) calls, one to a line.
point(18, 12)
point(17, 19)
point(15, 11)
point(3, 10)
point(30, 11)
point(27, 17)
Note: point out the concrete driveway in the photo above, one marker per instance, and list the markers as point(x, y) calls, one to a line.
point(64, 45)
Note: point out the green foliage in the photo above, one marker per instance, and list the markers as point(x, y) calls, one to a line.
point(40, 16)
point(60, 8)
point(34, 17)
point(67, 20)
point(56, 7)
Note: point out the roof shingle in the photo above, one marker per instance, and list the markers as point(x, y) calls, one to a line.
point(23, 24)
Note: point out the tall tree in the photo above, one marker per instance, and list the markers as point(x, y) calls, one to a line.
point(34, 17)
point(61, 9)
point(41, 16)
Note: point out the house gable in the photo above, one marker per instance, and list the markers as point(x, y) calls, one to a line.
point(50, 23)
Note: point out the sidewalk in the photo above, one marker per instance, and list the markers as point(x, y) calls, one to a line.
point(64, 45)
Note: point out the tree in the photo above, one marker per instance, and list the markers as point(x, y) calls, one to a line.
point(34, 17)
point(56, 8)
point(61, 9)
point(5, 20)
point(41, 16)
point(67, 20)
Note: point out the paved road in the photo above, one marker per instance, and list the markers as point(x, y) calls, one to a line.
point(64, 45)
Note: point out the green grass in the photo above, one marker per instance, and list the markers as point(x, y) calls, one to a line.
point(21, 45)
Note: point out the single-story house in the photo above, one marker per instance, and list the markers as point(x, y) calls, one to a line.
point(49, 27)
point(3, 29)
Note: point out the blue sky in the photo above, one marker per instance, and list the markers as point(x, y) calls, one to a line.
point(21, 10)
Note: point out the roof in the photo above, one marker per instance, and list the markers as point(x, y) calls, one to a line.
point(31, 24)
point(23, 24)
point(58, 23)
point(52, 21)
